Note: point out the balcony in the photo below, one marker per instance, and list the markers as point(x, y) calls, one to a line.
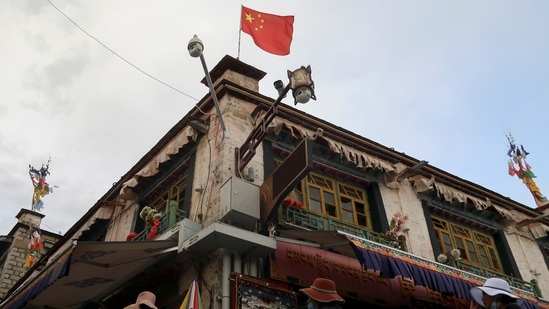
point(304, 219)
point(299, 218)
point(486, 273)
point(168, 220)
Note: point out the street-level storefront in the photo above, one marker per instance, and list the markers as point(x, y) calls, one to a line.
point(387, 280)
point(298, 263)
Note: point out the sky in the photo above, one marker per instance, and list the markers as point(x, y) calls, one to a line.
point(441, 81)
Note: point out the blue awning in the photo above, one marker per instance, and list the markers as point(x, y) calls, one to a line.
point(438, 277)
point(89, 270)
point(53, 271)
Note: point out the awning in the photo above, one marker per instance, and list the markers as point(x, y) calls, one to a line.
point(49, 274)
point(422, 184)
point(438, 277)
point(91, 270)
point(358, 157)
point(152, 167)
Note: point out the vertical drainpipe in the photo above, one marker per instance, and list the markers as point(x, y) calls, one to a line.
point(237, 267)
point(225, 284)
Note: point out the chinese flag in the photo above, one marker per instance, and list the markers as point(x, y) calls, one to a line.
point(272, 33)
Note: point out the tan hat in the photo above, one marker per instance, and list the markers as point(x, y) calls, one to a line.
point(323, 291)
point(144, 300)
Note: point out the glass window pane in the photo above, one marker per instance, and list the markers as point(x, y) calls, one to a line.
point(346, 204)
point(347, 216)
point(331, 210)
point(470, 246)
point(315, 193)
point(473, 257)
point(329, 198)
point(360, 208)
point(445, 238)
point(316, 206)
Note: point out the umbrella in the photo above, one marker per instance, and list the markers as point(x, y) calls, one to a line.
point(192, 300)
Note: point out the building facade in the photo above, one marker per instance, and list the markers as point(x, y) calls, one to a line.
point(256, 215)
point(16, 254)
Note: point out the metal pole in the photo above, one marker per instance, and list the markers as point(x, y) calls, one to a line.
point(245, 153)
point(214, 96)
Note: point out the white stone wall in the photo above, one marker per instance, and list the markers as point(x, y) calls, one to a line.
point(215, 160)
point(400, 197)
point(123, 223)
point(528, 257)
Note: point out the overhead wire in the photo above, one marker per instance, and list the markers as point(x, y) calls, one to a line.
point(119, 56)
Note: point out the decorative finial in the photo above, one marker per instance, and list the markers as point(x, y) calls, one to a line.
point(41, 187)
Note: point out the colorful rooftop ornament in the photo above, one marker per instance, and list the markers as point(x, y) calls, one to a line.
point(32, 251)
point(519, 167)
point(41, 187)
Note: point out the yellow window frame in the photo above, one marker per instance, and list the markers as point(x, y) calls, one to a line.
point(476, 248)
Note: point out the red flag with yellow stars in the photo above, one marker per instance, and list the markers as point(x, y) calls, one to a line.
point(272, 33)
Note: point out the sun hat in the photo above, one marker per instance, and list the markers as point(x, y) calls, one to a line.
point(145, 298)
point(323, 291)
point(476, 295)
point(492, 287)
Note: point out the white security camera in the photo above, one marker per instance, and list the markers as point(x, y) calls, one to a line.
point(302, 94)
point(195, 47)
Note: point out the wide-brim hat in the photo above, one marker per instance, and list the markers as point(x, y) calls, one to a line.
point(323, 291)
point(492, 287)
point(144, 299)
point(476, 295)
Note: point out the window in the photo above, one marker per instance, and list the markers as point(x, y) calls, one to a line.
point(334, 198)
point(353, 205)
point(175, 193)
point(322, 195)
point(477, 248)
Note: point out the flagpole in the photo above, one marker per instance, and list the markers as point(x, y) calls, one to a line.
point(239, 33)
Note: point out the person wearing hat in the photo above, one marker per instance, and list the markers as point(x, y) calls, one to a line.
point(145, 300)
point(322, 295)
point(495, 294)
point(475, 305)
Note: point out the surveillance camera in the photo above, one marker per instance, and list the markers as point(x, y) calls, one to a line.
point(195, 47)
point(302, 95)
point(279, 86)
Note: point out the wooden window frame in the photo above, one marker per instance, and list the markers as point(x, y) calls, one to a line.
point(466, 234)
point(175, 192)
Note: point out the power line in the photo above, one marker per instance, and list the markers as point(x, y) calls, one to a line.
point(117, 55)
point(52, 229)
